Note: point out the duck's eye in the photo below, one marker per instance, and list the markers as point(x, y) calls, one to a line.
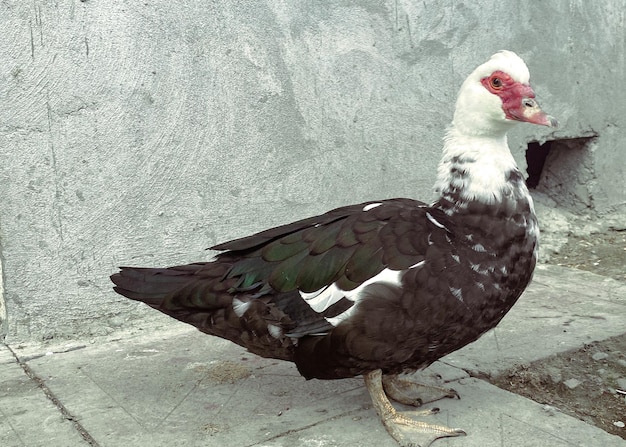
point(496, 83)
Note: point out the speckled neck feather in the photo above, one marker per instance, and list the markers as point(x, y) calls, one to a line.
point(478, 168)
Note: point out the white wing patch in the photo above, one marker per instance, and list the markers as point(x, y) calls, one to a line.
point(435, 221)
point(457, 292)
point(342, 316)
point(275, 331)
point(322, 299)
point(371, 206)
point(240, 307)
point(387, 276)
point(419, 264)
point(478, 269)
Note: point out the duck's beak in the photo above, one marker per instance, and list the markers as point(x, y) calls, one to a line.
point(529, 111)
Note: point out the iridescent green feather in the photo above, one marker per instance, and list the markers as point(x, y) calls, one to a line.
point(321, 270)
point(365, 263)
point(284, 276)
point(284, 249)
point(323, 238)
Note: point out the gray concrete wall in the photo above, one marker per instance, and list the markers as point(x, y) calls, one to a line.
point(142, 132)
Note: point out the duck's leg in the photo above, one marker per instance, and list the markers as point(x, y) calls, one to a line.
point(407, 431)
point(412, 393)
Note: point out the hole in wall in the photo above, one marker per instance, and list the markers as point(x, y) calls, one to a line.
point(563, 170)
point(536, 155)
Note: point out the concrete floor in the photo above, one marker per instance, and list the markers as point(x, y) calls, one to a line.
point(173, 386)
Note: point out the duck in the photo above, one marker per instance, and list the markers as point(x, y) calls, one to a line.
point(385, 287)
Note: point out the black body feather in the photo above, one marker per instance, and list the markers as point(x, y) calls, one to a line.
point(459, 270)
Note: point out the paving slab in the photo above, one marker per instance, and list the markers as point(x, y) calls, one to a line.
point(179, 387)
point(27, 417)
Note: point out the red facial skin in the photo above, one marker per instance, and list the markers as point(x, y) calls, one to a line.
point(518, 101)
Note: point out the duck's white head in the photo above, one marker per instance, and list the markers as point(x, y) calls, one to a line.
point(477, 163)
point(496, 95)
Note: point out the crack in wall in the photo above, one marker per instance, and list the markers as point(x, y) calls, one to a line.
point(41, 384)
point(4, 323)
point(4, 314)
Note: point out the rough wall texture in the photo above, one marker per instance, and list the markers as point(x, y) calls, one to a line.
point(142, 132)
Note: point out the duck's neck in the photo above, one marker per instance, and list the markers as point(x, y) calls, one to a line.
point(478, 168)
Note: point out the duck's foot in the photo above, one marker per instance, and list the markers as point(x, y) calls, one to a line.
point(412, 393)
point(407, 431)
